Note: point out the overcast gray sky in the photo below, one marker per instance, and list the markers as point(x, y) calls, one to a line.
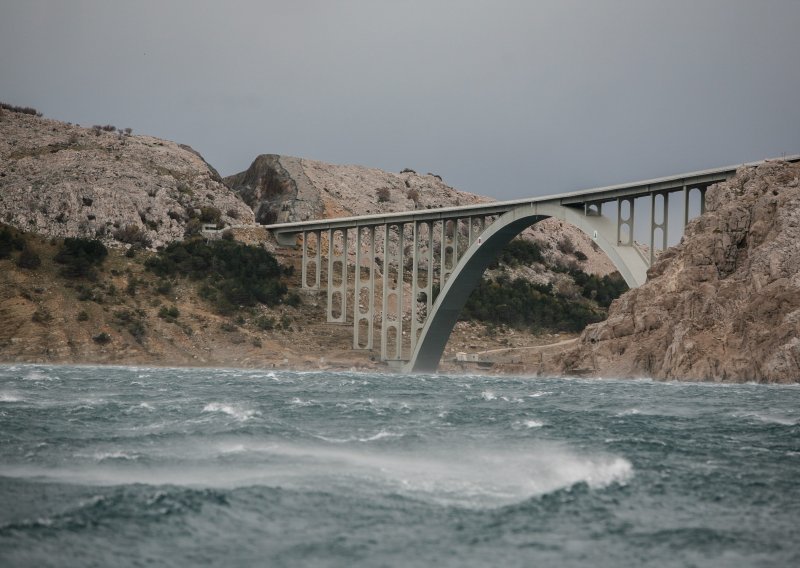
point(502, 98)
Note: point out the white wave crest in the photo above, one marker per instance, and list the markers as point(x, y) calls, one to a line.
point(471, 477)
point(629, 412)
point(771, 418)
point(9, 397)
point(110, 455)
point(39, 376)
point(488, 395)
point(379, 436)
point(537, 394)
point(239, 413)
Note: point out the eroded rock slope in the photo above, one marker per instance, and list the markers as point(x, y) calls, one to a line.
point(63, 180)
point(722, 305)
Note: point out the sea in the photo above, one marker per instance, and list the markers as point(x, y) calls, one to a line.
point(134, 466)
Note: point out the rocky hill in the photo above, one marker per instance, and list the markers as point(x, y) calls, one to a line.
point(63, 180)
point(724, 304)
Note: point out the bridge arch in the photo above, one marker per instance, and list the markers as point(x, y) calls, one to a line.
point(470, 268)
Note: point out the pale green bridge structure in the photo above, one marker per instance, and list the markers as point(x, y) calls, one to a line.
point(448, 249)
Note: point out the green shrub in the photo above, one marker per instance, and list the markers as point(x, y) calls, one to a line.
point(102, 338)
point(41, 315)
point(132, 322)
point(522, 304)
point(83, 316)
point(9, 242)
point(232, 274)
point(132, 235)
point(169, 314)
point(566, 245)
point(602, 290)
point(164, 286)
point(28, 259)
point(265, 322)
point(210, 215)
point(519, 252)
point(80, 256)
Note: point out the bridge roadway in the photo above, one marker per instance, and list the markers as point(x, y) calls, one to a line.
point(451, 247)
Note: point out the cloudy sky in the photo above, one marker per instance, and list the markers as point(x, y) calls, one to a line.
point(502, 98)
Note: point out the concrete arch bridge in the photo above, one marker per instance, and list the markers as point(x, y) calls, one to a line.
point(449, 248)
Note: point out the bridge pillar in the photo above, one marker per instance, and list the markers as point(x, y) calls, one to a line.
point(445, 270)
point(392, 295)
point(337, 289)
point(655, 225)
point(362, 286)
point(316, 261)
point(416, 289)
point(626, 222)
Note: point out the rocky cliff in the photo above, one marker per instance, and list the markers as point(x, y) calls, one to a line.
point(63, 180)
point(724, 304)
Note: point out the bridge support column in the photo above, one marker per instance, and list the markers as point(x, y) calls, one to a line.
point(337, 273)
point(416, 289)
point(392, 295)
point(361, 286)
point(444, 271)
point(317, 261)
point(703, 199)
point(654, 225)
point(625, 221)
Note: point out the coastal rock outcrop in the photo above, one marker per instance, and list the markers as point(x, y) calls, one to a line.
point(722, 305)
point(62, 180)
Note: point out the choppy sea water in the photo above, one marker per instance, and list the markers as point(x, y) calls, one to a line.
point(121, 466)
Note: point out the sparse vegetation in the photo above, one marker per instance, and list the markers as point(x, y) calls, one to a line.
point(210, 215)
point(169, 314)
point(413, 195)
point(42, 315)
point(102, 338)
point(566, 245)
point(28, 259)
point(80, 257)
point(132, 235)
point(9, 241)
point(132, 321)
point(19, 109)
point(266, 323)
point(383, 194)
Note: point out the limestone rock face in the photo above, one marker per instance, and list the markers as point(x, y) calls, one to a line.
point(62, 180)
point(283, 189)
point(722, 305)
